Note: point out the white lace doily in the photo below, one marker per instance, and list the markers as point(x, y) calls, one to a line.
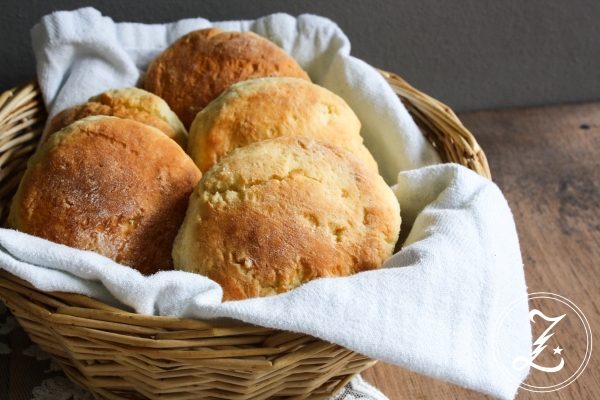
point(357, 389)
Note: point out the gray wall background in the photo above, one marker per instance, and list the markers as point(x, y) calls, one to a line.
point(470, 54)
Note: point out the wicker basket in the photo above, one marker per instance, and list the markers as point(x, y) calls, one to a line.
point(120, 355)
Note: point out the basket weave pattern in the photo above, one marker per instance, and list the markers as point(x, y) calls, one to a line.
point(121, 355)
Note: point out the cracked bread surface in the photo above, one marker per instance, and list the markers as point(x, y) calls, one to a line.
point(278, 213)
point(127, 103)
point(112, 186)
point(266, 108)
point(199, 66)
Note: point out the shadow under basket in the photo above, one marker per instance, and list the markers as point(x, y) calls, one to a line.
point(120, 355)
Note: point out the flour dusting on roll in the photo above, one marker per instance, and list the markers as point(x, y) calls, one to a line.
point(113, 186)
point(278, 213)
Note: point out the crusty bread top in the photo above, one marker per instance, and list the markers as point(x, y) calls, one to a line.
point(128, 103)
point(280, 212)
point(199, 66)
point(266, 108)
point(113, 186)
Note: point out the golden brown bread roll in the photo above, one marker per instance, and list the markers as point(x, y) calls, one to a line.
point(267, 108)
point(109, 185)
point(199, 66)
point(128, 103)
point(281, 212)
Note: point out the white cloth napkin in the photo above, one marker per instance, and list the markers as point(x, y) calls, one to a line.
point(433, 306)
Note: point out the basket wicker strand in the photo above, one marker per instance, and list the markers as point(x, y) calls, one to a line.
point(119, 355)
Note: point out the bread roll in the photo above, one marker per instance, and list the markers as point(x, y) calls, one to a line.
point(199, 66)
point(128, 103)
point(281, 212)
point(117, 187)
point(267, 108)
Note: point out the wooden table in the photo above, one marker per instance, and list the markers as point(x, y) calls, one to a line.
point(547, 162)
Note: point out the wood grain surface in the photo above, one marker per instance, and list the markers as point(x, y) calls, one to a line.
point(547, 162)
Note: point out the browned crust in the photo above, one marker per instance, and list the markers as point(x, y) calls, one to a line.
point(69, 115)
point(113, 186)
point(199, 66)
point(260, 109)
point(282, 212)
